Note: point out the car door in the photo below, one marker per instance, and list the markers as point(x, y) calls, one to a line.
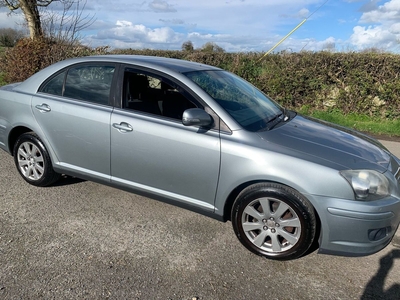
point(153, 152)
point(72, 109)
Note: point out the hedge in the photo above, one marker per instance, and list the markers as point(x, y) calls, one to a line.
point(366, 83)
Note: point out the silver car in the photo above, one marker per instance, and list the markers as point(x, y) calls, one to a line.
point(204, 139)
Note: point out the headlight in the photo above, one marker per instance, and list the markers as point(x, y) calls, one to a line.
point(367, 184)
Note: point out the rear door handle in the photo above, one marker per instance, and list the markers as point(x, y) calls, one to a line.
point(43, 107)
point(123, 127)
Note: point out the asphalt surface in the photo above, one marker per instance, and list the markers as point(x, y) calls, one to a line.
point(394, 147)
point(81, 240)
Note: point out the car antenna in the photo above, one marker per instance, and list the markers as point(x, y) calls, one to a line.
point(290, 33)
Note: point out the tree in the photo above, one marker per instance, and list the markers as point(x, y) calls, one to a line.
point(212, 47)
point(30, 9)
point(65, 25)
point(187, 46)
point(58, 40)
point(9, 36)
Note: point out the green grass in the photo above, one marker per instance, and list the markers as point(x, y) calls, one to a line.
point(372, 125)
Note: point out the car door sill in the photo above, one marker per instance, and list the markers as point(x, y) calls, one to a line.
point(160, 194)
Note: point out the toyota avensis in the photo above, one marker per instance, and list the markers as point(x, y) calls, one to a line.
point(204, 139)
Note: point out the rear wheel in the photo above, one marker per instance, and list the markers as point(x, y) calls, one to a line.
point(33, 161)
point(274, 221)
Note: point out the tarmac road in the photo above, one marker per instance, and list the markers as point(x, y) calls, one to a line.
point(81, 240)
point(394, 147)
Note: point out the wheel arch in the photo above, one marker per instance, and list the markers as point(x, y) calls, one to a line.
point(233, 195)
point(14, 134)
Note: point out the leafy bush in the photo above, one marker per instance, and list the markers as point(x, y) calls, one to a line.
point(2, 81)
point(365, 83)
point(9, 37)
point(25, 59)
point(29, 56)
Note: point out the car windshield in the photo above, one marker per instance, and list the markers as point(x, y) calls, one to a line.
point(251, 108)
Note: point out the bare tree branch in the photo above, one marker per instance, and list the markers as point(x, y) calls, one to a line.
point(11, 5)
point(66, 24)
point(61, 26)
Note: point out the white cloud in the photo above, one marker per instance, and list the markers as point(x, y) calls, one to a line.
point(383, 30)
point(239, 25)
point(161, 6)
point(389, 12)
point(395, 29)
point(235, 25)
point(128, 34)
point(304, 13)
point(13, 20)
point(301, 14)
point(374, 36)
point(369, 6)
point(173, 21)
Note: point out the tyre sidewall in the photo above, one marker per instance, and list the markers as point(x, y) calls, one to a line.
point(301, 206)
point(48, 172)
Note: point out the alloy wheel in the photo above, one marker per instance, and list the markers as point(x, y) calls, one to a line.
point(30, 161)
point(271, 225)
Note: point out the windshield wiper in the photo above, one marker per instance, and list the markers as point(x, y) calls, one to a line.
point(279, 118)
point(274, 121)
point(285, 115)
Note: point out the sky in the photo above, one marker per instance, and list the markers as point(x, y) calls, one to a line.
point(238, 25)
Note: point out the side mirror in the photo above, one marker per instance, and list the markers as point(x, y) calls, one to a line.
point(196, 117)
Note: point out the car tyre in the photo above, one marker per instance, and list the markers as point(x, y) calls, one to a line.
point(274, 221)
point(33, 161)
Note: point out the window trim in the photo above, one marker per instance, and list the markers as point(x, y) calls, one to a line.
point(219, 124)
point(114, 80)
point(155, 73)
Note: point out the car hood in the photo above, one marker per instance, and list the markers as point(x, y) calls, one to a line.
point(328, 144)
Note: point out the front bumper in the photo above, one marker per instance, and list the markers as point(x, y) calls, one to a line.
point(356, 228)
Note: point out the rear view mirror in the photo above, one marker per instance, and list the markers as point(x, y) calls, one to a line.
point(196, 117)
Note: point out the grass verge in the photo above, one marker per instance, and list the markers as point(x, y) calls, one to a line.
point(372, 125)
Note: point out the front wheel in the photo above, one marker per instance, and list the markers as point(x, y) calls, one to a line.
point(33, 161)
point(274, 221)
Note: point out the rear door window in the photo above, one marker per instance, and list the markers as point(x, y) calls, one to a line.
point(90, 83)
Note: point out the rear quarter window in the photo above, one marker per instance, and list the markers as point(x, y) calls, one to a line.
point(55, 85)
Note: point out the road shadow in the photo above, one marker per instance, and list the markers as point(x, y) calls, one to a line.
point(67, 180)
point(375, 287)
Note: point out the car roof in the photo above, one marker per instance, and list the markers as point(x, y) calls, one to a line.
point(168, 65)
point(177, 65)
